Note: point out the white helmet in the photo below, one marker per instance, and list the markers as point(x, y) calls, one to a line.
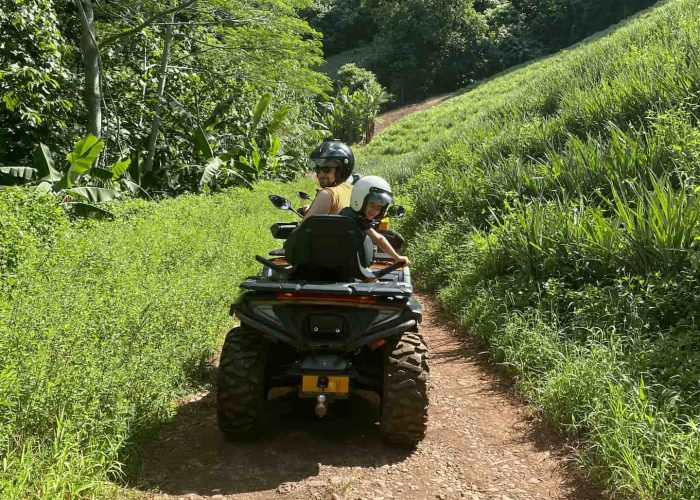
point(371, 188)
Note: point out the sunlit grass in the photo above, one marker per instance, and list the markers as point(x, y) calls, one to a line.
point(101, 331)
point(555, 211)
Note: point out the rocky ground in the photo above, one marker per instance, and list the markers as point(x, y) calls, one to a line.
point(481, 444)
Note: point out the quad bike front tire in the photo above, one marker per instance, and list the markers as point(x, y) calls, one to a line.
point(404, 407)
point(241, 399)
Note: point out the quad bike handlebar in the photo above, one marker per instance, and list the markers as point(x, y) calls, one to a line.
point(386, 270)
point(272, 265)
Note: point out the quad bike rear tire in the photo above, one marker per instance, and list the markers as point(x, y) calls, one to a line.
point(241, 399)
point(404, 407)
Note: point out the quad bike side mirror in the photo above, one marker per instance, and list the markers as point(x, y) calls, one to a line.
point(303, 195)
point(282, 203)
point(396, 211)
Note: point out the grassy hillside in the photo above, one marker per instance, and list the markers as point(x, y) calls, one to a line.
point(103, 325)
point(555, 210)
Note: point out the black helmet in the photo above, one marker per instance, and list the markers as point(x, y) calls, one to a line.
point(333, 149)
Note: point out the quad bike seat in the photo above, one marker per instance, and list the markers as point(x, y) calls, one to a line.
point(329, 248)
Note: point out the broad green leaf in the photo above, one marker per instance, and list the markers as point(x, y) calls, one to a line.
point(92, 211)
point(274, 147)
point(101, 173)
point(94, 194)
point(260, 108)
point(277, 119)
point(44, 187)
point(272, 153)
point(84, 155)
point(236, 173)
point(15, 174)
point(135, 189)
point(119, 168)
point(202, 144)
point(245, 165)
point(43, 162)
point(255, 158)
point(211, 170)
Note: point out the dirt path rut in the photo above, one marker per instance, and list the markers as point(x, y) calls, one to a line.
point(480, 445)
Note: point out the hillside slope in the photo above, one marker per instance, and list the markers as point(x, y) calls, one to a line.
point(555, 211)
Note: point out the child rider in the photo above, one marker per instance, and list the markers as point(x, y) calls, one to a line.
point(370, 198)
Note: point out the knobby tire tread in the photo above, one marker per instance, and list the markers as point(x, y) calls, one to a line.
point(405, 395)
point(241, 397)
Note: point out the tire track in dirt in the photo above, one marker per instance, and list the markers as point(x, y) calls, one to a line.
point(480, 445)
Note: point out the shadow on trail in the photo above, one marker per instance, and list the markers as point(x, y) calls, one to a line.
point(191, 455)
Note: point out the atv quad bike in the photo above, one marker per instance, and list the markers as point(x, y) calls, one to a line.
point(326, 318)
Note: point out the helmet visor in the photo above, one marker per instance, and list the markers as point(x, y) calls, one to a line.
point(381, 197)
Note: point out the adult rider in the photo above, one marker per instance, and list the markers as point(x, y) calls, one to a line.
point(333, 162)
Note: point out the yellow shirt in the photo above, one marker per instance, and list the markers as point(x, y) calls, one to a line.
point(340, 195)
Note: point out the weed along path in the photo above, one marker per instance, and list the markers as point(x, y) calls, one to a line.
point(480, 445)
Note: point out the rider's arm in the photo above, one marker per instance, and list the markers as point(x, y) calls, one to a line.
point(384, 245)
point(321, 206)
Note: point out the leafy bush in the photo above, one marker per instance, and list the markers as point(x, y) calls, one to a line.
point(30, 222)
point(351, 112)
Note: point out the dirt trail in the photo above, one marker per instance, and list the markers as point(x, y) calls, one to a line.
point(480, 445)
point(386, 119)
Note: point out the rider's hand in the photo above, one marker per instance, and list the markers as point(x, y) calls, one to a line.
point(303, 209)
point(404, 259)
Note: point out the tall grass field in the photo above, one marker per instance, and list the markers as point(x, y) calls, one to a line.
point(555, 210)
point(103, 325)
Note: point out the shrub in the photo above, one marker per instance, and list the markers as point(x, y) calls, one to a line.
point(30, 222)
point(351, 112)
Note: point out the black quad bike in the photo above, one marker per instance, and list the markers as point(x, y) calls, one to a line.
point(327, 318)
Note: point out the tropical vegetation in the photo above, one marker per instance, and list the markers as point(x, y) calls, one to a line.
point(555, 211)
point(420, 48)
point(552, 208)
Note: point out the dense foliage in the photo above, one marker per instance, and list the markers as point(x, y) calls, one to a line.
point(344, 23)
point(352, 110)
point(556, 211)
point(166, 70)
point(424, 47)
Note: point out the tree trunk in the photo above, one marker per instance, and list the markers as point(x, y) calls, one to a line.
point(91, 61)
point(155, 124)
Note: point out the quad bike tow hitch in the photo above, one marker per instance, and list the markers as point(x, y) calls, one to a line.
point(321, 406)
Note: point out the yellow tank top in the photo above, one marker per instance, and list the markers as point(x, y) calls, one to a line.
point(340, 195)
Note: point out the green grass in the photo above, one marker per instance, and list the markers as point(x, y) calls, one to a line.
point(555, 210)
point(104, 327)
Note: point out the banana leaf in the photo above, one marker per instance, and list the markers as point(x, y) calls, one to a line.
point(94, 194)
point(14, 175)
